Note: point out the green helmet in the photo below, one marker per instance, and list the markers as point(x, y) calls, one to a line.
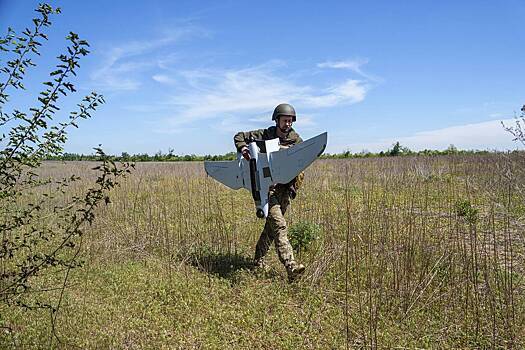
point(284, 109)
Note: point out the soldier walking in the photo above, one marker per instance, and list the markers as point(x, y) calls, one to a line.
point(275, 229)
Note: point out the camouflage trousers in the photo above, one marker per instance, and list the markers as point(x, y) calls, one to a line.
point(275, 229)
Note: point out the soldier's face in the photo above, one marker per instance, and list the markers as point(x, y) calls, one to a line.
point(285, 123)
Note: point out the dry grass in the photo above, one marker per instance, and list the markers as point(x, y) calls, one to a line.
point(400, 262)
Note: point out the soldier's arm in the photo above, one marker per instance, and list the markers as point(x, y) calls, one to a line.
point(299, 139)
point(241, 139)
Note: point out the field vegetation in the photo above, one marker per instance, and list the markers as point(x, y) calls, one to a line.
point(411, 252)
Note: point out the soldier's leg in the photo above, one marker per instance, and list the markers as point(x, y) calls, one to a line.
point(263, 245)
point(267, 235)
point(280, 230)
point(282, 244)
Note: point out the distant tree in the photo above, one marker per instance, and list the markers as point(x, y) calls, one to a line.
point(396, 149)
point(406, 151)
point(451, 149)
point(40, 229)
point(158, 156)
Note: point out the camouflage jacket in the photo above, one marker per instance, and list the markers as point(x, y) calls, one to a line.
point(242, 139)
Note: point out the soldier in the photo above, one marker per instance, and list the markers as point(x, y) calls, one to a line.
point(275, 228)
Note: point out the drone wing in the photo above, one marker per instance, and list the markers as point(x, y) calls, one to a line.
point(228, 173)
point(288, 163)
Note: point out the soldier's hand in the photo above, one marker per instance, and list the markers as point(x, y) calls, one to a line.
point(293, 192)
point(245, 153)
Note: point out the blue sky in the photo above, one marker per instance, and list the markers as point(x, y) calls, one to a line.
point(187, 75)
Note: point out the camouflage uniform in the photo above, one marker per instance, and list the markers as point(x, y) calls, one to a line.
point(275, 228)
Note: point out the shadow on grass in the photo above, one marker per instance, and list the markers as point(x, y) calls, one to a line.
point(223, 265)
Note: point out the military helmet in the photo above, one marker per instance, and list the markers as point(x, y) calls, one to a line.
point(284, 109)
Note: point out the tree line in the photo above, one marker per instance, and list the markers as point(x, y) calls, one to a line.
point(396, 150)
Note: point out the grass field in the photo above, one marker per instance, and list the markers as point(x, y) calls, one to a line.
point(414, 252)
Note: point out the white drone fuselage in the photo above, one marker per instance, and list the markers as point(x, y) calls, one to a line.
point(268, 165)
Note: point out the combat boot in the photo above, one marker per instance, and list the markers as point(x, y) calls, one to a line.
point(294, 270)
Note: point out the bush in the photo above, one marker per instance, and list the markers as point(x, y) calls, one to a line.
point(465, 209)
point(302, 234)
point(40, 226)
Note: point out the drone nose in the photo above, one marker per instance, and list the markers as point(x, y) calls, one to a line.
point(259, 213)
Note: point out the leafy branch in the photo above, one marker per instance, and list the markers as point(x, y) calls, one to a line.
point(40, 228)
point(518, 130)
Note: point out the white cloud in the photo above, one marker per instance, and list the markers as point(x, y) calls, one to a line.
point(232, 124)
point(123, 64)
point(163, 79)
point(485, 135)
point(351, 91)
point(167, 61)
point(353, 65)
point(263, 118)
point(254, 91)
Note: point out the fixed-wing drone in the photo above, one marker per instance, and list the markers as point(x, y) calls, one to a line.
point(268, 165)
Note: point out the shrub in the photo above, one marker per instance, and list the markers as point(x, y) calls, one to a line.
point(464, 208)
point(302, 234)
point(40, 227)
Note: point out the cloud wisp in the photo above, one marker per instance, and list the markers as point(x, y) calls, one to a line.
point(215, 94)
point(123, 65)
point(163, 79)
point(468, 136)
point(354, 65)
point(349, 92)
